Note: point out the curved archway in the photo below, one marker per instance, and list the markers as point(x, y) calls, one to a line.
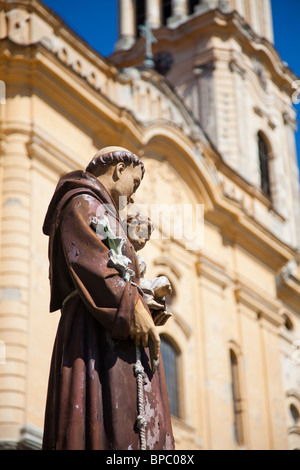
point(164, 142)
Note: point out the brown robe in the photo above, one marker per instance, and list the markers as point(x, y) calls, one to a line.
point(92, 390)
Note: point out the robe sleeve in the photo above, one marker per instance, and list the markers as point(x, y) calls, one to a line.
point(105, 294)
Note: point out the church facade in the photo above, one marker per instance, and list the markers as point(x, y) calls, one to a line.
point(210, 113)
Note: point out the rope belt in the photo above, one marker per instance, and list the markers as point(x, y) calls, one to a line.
point(141, 420)
point(69, 297)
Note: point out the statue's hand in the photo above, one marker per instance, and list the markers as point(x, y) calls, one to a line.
point(142, 329)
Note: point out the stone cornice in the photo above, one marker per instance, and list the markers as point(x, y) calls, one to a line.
point(262, 304)
point(40, 149)
point(288, 288)
point(213, 270)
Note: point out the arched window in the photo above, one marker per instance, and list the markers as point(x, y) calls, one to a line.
point(140, 15)
point(295, 414)
point(170, 361)
point(166, 10)
point(191, 6)
point(263, 153)
point(293, 419)
point(236, 399)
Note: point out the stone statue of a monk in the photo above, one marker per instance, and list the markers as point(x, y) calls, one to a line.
point(92, 390)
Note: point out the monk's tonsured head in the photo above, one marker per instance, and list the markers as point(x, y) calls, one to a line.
point(120, 171)
point(111, 156)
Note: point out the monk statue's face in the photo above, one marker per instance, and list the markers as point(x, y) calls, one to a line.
point(126, 181)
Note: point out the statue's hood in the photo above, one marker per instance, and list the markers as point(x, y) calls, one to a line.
point(71, 184)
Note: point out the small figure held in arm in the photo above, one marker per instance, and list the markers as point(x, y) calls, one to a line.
point(139, 230)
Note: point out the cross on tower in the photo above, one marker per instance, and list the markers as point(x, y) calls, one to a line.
point(146, 32)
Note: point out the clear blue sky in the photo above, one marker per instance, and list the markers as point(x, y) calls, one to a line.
point(96, 22)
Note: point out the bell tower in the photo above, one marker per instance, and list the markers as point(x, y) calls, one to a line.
point(132, 13)
point(220, 58)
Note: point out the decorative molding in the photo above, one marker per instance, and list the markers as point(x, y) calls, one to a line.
point(8, 445)
point(293, 393)
point(31, 438)
point(289, 120)
point(258, 111)
point(203, 69)
point(235, 67)
point(166, 262)
point(40, 147)
point(294, 430)
point(263, 306)
point(261, 113)
point(214, 22)
point(261, 74)
point(187, 432)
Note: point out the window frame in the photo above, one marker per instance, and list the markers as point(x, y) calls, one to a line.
point(264, 157)
point(171, 343)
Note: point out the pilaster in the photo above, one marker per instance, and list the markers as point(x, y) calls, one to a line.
point(14, 280)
